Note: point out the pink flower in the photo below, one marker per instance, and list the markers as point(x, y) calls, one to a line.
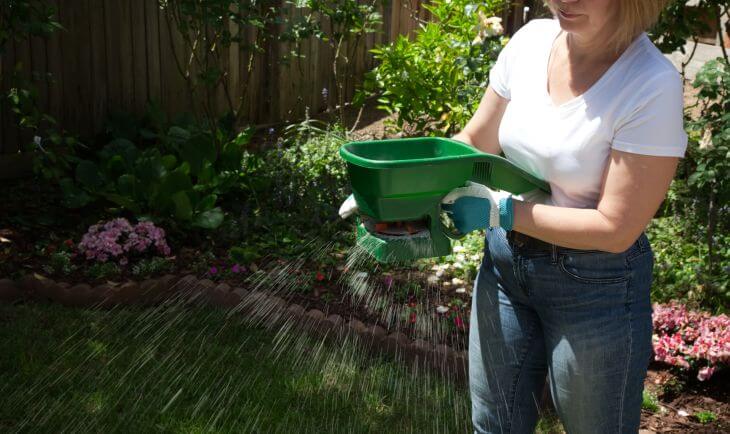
point(387, 281)
point(705, 373)
point(319, 276)
point(459, 322)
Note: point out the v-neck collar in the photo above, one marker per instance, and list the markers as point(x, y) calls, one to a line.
point(595, 87)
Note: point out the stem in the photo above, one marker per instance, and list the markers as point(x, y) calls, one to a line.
point(711, 223)
point(720, 33)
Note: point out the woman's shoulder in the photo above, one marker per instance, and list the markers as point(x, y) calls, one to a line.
point(648, 68)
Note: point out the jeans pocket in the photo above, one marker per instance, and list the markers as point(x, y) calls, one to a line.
point(595, 267)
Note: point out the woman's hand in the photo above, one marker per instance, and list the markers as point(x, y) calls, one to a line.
point(475, 206)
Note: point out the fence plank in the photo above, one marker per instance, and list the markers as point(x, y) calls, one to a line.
point(97, 36)
point(54, 61)
point(139, 53)
point(152, 30)
point(9, 130)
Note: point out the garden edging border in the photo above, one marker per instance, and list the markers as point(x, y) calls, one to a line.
point(190, 290)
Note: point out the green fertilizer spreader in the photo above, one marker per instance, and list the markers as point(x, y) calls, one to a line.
point(398, 185)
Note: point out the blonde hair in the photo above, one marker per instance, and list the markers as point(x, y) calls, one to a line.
point(633, 16)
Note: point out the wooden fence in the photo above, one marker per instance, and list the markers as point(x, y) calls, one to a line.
point(116, 55)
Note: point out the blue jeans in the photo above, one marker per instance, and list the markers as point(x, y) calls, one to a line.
point(581, 319)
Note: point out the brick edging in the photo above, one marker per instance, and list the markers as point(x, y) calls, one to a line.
point(258, 306)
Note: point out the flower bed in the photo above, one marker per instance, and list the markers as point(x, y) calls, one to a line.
point(689, 340)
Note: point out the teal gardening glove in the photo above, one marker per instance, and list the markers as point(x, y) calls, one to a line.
point(475, 206)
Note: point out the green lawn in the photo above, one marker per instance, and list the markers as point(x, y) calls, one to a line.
point(176, 370)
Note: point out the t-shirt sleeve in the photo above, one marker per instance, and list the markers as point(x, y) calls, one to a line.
point(653, 123)
point(499, 75)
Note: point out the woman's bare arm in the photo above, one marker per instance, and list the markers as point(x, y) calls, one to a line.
point(633, 188)
point(482, 130)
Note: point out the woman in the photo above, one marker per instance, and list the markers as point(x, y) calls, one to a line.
point(586, 102)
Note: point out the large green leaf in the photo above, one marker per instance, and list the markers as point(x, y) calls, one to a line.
point(210, 219)
point(73, 197)
point(183, 209)
point(196, 151)
point(89, 175)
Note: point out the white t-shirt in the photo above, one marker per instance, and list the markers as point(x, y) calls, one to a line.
point(636, 106)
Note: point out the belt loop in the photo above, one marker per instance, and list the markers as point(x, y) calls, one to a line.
point(554, 254)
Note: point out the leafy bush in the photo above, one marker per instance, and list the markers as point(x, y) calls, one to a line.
point(173, 173)
point(300, 182)
point(692, 241)
point(103, 270)
point(681, 268)
point(435, 83)
point(151, 266)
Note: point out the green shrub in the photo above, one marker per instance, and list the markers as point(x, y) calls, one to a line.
point(691, 241)
point(152, 266)
point(60, 264)
point(158, 171)
point(680, 265)
point(705, 417)
point(298, 185)
point(103, 270)
point(434, 84)
point(649, 402)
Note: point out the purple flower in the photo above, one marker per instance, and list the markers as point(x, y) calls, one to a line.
point(238, 269)
point(213, 270)
point(118, 237)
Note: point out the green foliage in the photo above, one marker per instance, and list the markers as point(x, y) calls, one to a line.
point(649, 402)
point(300, 183)
point(679, 23)
point(434, 84)
point(60, 264)
point(52, 148)
point(103, 270)
point(681, 265)
point(341, 24)
point(20, 19)
point(152, 266)
point(705, 417)
point(210, 29)
point(172, 172)
point(692, 244)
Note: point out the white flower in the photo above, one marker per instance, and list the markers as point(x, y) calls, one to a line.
point(456, 281)
point(433, 279)
point(459, 249)
point(706, 141)
point(461, 291)
point(442, 309)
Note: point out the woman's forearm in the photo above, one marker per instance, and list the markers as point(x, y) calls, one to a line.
point(576, 228)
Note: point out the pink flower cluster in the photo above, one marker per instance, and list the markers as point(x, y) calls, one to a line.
point(690, 339)
point(117, 238)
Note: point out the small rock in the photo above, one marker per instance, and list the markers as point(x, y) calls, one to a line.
point(460, 291)
point(335, 320)
point(442, 309)
point(433, 279)
point(456, 281)
point(682, 413)
point(296, 310)
point(396, 343)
